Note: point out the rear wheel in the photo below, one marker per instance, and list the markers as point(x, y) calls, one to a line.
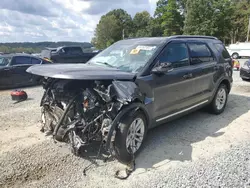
point(130, 136)
point(219, 102)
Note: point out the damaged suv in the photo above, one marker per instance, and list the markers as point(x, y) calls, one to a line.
point(132, 86)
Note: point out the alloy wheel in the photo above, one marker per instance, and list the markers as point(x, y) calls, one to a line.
point(135, 135)
point(221, 98)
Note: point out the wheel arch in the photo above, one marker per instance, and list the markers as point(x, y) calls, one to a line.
point(141, 107)
point(127, 109)
point(223, 81)
point(227, 83)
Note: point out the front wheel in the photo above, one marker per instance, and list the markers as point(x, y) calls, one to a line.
point(130, 136)
point(219, 102)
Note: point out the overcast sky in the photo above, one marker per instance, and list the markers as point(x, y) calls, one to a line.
point(59, 20)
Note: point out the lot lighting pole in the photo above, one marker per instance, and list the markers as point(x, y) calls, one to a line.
point(248, 30)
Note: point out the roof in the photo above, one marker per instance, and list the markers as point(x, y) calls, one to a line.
point(194, 36)
point(17, 54)
point(173, 37)
point(71, 46)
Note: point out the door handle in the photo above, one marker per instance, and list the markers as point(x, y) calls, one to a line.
point(6, 69)
point(186, 76)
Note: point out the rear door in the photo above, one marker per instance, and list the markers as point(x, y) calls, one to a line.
point(64, 55)
point(204, 67)
point(77, 55)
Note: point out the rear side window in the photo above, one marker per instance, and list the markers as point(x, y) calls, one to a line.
point(175, 53)
point(72, 50)
point(222, 50)
point(21, 61)
point(75, 50)
point(35, 61)
point(200, 53)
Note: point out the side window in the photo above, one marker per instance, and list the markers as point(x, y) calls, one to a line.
point(35, 61)
point(175, 53)
point(21, 61)
point(75, 51)
point(222, 50)
point(66, 50)
point(199, 53)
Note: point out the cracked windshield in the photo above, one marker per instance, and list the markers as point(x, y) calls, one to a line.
point(127, 94)
point(125, 56)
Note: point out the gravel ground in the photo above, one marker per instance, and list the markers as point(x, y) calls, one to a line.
point(198, 150)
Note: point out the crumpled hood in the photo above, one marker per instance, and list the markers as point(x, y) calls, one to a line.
point(80, 72)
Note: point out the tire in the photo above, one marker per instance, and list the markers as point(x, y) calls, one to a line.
point(49, 120)
point(121, 152)
point(238, 69)
point(215, 106)
point(235, 55)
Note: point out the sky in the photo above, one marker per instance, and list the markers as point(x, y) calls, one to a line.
point(59, 20)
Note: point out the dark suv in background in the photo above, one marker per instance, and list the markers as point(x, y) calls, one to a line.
point(67, 54)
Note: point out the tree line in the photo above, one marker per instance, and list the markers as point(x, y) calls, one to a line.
point(226, 19)
point(36, 47)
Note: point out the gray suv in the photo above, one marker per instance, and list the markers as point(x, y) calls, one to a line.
point(135, 85)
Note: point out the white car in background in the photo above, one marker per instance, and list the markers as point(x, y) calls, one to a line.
point(240, 49)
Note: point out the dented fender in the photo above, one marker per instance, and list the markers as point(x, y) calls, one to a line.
point(127, 91)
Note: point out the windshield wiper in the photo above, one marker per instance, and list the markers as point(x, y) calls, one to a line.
point(105, 63)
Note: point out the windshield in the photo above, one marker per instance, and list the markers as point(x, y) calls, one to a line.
point(127, 55)
point(4, 61)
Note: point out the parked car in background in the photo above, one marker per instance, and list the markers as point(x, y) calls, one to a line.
point(240, 49)
point(13, 70)
point(245, 71)
point(67, 54)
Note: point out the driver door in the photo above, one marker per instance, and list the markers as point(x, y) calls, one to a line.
point(173, 90)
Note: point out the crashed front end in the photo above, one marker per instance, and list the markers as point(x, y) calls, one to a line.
point(82, 111)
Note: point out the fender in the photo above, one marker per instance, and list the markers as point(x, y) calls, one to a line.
point(127, 91)
point(126, 109)
point(228, 84)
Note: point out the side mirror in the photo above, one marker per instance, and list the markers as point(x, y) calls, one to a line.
point(162, 68)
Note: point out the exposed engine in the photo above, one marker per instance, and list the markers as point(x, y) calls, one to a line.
point(87, 110)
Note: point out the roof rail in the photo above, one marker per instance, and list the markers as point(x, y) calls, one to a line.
point(194, 36)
